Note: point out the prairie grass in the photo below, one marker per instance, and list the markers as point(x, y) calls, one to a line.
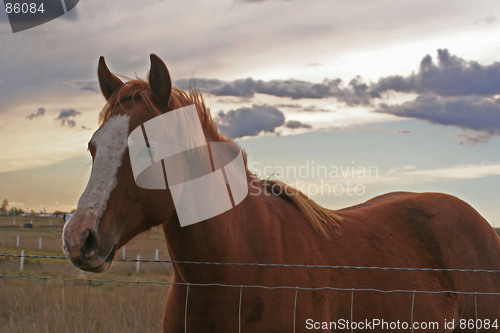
point(47, 305)
point(52, 305)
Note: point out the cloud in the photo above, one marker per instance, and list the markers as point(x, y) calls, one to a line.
point(474, 138)
point(301, 108)
point(250, 121)
point(472, 112)
point(450, 76)
point(469, 171)
point(39, 113)
point(88, 85)
point(487, 20)
point(66, 117)
point(452, 91)
point(356, 92)
point(293, 124)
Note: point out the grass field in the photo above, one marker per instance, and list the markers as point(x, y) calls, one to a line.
point(38, 305)
point(46, 305)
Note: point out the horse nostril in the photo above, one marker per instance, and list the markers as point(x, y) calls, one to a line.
point(90, 243)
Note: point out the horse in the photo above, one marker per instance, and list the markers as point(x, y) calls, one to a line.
point(306, 273)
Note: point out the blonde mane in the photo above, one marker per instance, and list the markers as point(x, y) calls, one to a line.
point(136, 89)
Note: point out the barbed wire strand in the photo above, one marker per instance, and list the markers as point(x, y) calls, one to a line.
point(296, 288)
point(215, 284)
point(411, 269)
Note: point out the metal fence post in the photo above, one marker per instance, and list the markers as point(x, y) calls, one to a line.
point(186, 309)
point(239, 310)
point(412, 306)
point(295, 308)
point(21, 268)
point(352, 307)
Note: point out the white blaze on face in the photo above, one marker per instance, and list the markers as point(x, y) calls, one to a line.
point(111, 143)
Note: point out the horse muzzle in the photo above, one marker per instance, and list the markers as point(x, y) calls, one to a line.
point(86, 252)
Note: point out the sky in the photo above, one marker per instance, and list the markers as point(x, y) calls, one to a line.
point(344, 100)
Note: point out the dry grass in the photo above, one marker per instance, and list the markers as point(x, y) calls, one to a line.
point(38, 305)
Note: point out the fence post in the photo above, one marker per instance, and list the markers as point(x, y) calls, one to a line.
point(186, 309)
point(138, 263)
point(17, 241)
point(40, 243)
point(239, 311)
point(31, 221)
point(21, 267)
point(123, 252)
point(412, 306)
point(157, 254)
point(352, 307)
point(295, 308)
point(475, 310)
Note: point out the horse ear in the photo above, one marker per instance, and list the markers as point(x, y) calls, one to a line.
point(108, 82)
point(159, 81)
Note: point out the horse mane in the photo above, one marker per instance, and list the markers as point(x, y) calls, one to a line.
point(321, 218)
point(318, 216)
point(137, 89)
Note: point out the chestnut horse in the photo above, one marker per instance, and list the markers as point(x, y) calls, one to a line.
point(276, 224)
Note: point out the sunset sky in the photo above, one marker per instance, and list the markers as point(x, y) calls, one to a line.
point(365, 97)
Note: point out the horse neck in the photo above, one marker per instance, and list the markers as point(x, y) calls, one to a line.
point(226, 237)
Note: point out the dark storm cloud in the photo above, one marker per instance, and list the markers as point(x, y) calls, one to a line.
point(450, 76)
point(250, 121)
point(472, 112)
point(293, 124)
point(67, 117)
point(39, 113)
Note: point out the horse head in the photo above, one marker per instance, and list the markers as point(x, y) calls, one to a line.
point(113, 209)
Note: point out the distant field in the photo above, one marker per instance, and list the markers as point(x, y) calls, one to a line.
point(112, 307)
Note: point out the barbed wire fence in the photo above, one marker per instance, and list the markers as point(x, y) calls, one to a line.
point(241, 288)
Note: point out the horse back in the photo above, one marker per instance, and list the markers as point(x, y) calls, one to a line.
point(429, 230)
